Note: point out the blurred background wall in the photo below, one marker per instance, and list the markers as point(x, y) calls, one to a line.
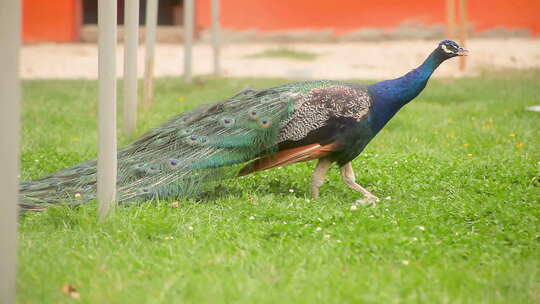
point(74, 20)
point(348, 15)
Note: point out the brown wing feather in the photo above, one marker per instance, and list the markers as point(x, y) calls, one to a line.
point(289, 156)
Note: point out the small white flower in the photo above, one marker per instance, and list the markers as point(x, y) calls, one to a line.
point(371, 216)
point(422, 228)
point(405, 262)
point(333, 223)
point(353, 207)
point(169, 237)
point(414, 239)
point(77, 195)
point(251, 218)
point(284, 223)
point(338, 241)
point(291, 190)
point(327, 236)
point(308, 200)
point(395, 163)
point(388, 198)
point(190, 228)
point(318, 229)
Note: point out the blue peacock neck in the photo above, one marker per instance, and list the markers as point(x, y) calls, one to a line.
point(390, 95)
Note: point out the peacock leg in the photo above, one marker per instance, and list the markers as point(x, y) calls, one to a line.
point(317, 178)
point(347, 174)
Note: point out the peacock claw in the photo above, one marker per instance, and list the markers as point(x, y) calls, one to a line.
point(368, 200)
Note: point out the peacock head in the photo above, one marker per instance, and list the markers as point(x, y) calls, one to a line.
point(448, 49)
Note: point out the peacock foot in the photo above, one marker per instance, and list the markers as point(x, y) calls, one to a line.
point(368, 200)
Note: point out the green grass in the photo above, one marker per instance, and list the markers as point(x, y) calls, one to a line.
point(286, 53)
point(459, 166)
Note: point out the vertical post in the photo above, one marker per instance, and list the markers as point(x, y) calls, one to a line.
point(10, 95)
point(463, 32)
point(450, 19)
point(106, 173)
point(131, 42)
point(188, 38)
point(150, 43)
point(216, 36)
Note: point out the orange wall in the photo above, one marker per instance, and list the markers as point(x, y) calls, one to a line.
point(60, 20)
point(51, 20)
point(349, 15)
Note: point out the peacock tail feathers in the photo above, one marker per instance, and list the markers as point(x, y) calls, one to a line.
point(184, 154)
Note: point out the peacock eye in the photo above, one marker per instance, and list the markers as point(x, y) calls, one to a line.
point(193, 138)
point(253, 114)
point(448, 49)
point(203, 139)
point(265, 123)
point(228, 121)
point(173, 162)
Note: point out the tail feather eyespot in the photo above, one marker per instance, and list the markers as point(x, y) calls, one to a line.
point(265, 122)
point(227, 121)
point(253, 113)
point(174, 162)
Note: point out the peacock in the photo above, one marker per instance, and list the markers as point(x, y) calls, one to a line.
point(254, 130)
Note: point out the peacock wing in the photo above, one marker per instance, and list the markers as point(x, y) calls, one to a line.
point(326, 113)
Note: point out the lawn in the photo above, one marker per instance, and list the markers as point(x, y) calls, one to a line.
point(285, 53)
point(459, 219)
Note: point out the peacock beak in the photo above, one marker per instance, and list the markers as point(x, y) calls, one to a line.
point(462, 52)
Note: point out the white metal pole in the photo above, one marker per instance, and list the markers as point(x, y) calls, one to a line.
point(189, 8)
point(106, 175)
point(463, 32)
point(10, 96)
point(216, 36)
point(131, 43)
point(450, 18)
point(150, 42)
